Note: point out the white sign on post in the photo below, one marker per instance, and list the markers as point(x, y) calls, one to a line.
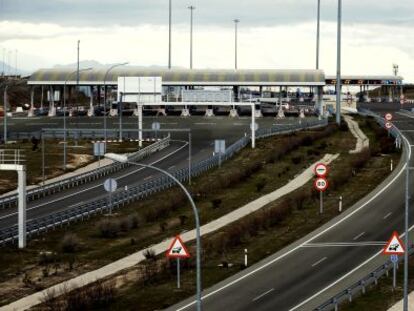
point(110, 185)
point(219, 146)
point(155, 126)
point(99, 149)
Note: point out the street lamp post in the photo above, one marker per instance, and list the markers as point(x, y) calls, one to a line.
point(105, 77)
point(338, 66)
point(5, 114)
point(169, 34)
point(236, 22)
point(318, 29)
point(77, 71)
point(191, 8)
point(124, 159)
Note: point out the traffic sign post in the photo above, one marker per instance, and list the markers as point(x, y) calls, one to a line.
point(388, 116)
point(156, 126)
point(394, 260)
point(110, 186)
point(321, 184)
point(388, 125)
point(321, 170)
point(394, 247)
point(177, 250)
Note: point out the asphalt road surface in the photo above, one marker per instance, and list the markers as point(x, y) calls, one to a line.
point(310, 271)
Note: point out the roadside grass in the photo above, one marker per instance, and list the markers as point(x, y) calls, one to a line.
point(161, 292)
point(80, 154)
point(95, 251)
point(382, 297)
point(169, 208)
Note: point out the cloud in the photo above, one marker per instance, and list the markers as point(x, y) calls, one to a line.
point(277, 46)
point(208, 12)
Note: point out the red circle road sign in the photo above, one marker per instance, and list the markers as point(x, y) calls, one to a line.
point(320, 184)
point(388, 116)
point(388, 125)
point(321, 170)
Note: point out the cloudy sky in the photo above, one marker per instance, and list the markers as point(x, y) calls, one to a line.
point(272, 33)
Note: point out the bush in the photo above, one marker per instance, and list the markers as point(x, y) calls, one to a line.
point(307, 141)
point(46, 258)
point(297, 159)
point(299, 198)
point(70, 243)
point(135, 221)
point(261, 184)
point(216, 203)
point(149, 254)
point(183, 219)
point(109, 228)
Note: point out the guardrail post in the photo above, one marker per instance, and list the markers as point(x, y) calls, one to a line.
point(349, 291)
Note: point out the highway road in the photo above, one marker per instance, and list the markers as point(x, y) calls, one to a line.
point(204, 132)
point(310, 271)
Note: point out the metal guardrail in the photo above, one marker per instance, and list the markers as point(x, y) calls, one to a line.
point(140, 191)
point(80, 179)
point(372, 278)
point(80, 134)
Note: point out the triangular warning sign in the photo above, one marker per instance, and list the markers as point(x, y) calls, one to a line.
point(394, 246)
point(177, 249)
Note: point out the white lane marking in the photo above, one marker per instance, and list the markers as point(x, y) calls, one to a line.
point(99, 185)
point(344, 244)
point(319, 261)
point(369, 259)
point(171, 167)
point(388, 215)
point(205, 123)
point(269, 263)
point(264, 294)
point(148, 177)
point(342, 277)
point(358, 236)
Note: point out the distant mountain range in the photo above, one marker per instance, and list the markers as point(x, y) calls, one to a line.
point(8, 70)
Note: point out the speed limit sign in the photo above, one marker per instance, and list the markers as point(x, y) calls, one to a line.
point(388, 125)
point(388, 116)
point(321, 184)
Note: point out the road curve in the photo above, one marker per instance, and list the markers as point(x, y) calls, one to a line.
point(310, 271)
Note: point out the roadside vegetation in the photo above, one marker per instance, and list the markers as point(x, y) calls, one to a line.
point(80, 154)
point(59, 255)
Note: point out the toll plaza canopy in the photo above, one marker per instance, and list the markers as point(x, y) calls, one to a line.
point(182, 77)
point(366, 80)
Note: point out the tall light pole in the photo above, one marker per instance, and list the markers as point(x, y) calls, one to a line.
point(169, 33)
point(77, 71)
point(318, 33)
point(5, 114)
point(106, 76)
point(338, 65)
point(407, 208)
point(236, 22)
point(191, 8)
point(4, 61)
point(124, 159)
